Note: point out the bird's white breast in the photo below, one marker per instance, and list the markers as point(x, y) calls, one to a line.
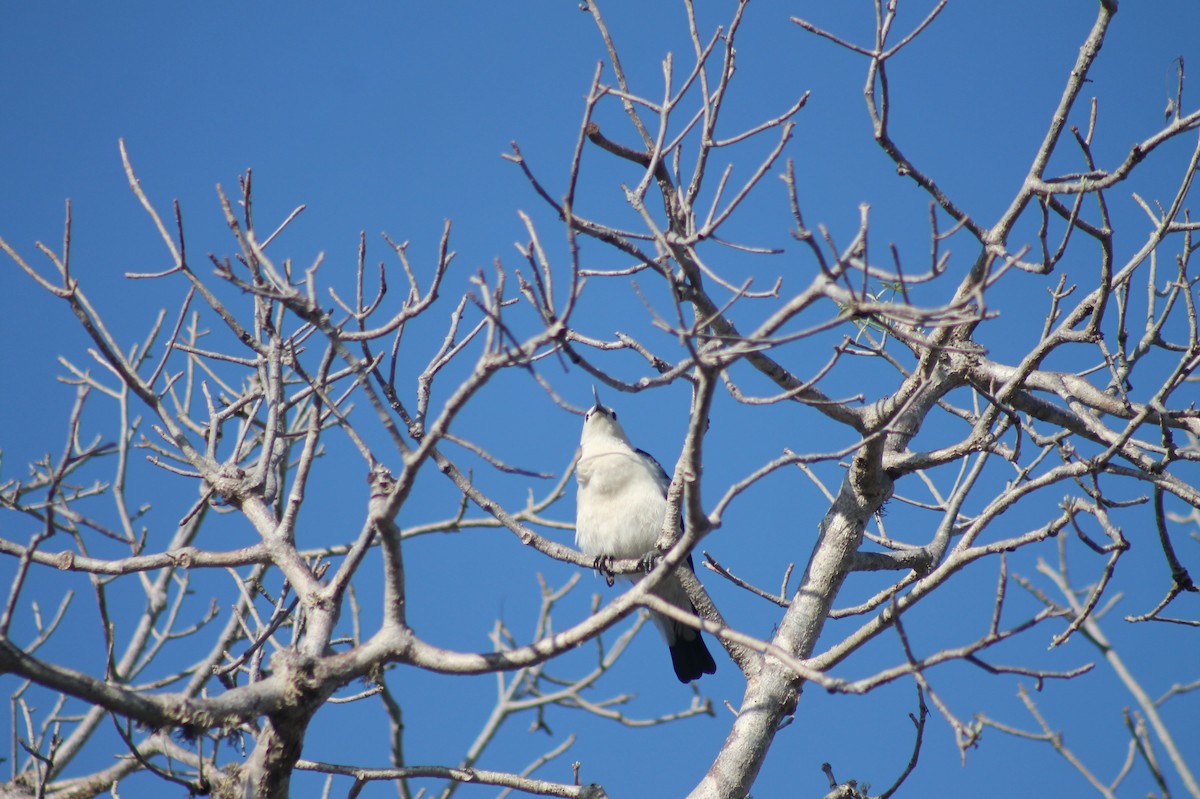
point(621, 506)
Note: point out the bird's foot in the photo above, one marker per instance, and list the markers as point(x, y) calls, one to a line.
point(649, 560)
point(603, 564)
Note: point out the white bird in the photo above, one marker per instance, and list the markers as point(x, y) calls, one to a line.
point(621, 505)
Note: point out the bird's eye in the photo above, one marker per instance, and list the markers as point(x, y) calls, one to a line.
point(614, 414)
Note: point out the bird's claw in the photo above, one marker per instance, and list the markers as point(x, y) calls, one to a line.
point(603, 564)
point(649, 560)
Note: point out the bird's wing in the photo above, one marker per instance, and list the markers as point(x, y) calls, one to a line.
point(664, 481)
point(656, 470)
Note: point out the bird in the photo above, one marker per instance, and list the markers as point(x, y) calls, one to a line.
point(620, 508)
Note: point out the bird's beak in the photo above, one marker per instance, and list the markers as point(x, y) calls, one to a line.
point(596, 396)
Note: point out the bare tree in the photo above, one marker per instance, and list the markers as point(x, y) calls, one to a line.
point(1082, 446)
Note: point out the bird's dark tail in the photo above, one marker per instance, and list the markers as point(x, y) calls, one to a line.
point(691, 657)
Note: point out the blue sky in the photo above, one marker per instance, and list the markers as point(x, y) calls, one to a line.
point(393, 117)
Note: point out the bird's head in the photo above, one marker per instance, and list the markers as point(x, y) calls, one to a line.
point(600, 424)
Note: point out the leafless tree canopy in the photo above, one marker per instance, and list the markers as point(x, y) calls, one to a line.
point(1084, 443)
